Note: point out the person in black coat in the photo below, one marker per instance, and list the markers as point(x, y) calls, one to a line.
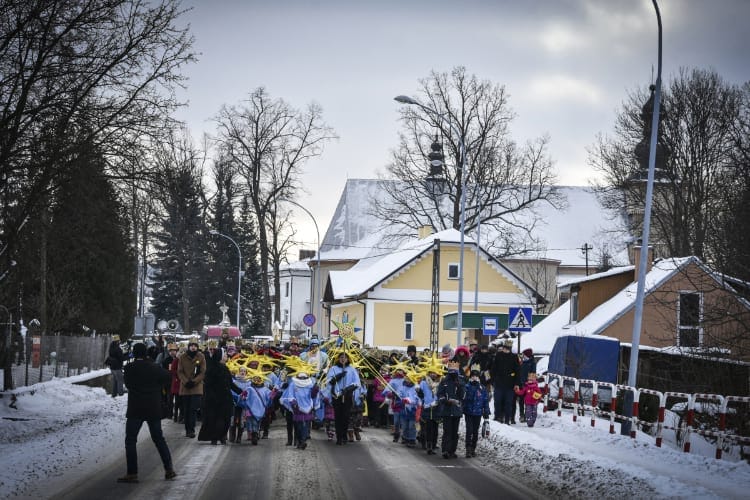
point(505, 376)
point(218, 402)
point(145, 380)
point(115, 362)
point(450, 395)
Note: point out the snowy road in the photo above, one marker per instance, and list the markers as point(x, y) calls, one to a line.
point(372, 468)
point(60, 440)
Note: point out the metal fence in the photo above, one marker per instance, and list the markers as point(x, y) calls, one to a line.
point(48, 356)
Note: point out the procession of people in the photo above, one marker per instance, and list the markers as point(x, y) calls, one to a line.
point(237, 390)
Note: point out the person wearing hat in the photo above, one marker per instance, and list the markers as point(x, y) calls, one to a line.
point(299, 398)
point(411, 356)
point(344, 380)
point(145, 380)
point(115, 360)
point(447, 353)
point(450, 394)
point(191, 370)
point(165, 362)
point(483, 358)
point(528, 365)
point(430, 417)
point(314, 356)
point(504, 373)
point(476, 404)
point(218, 405)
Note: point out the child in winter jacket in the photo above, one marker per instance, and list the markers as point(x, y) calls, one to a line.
point(407, 394)
point(476, 404)
point(391, 393)
point(532, 394)
point(300, 398)
point(255, 399)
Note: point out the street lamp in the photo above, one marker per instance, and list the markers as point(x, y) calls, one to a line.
point(643, 262)
point(239, 272)
point(462, 151)
point(317, 268)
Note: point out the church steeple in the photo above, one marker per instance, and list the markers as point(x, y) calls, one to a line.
point(435, 181)
point(643, 147)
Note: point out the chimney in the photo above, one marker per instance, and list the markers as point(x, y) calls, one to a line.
point(424, 231)
point(307, 254)
point(637, 259)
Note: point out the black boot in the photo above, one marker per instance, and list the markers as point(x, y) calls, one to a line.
point(396, 435)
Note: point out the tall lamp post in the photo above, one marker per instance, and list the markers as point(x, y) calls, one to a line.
point(319, 318)
point(462, 151)
point(643, 262)
point(239, 272)
point(643, 258)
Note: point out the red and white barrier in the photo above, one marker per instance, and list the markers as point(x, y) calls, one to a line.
point(687, 426)
point(660, 416)
point(612, 404)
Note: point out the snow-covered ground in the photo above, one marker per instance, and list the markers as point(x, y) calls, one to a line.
point(59, 430)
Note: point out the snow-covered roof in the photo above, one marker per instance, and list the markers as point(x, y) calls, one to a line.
point(356, 232)
point(592, 277)
point(373, 269)
point(543, 337)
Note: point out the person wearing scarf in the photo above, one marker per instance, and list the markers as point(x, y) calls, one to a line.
point(343, 379)
point(299, 398)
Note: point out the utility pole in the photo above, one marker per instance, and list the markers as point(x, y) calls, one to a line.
point(585, 250)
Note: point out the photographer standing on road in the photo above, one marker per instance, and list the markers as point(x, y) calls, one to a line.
point(145, 380)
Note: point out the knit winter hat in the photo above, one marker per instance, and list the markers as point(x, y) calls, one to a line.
point(528, 352)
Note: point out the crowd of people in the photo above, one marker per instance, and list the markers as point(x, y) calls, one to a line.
point(235, 391)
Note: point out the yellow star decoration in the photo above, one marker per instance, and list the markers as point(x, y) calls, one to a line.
point(432, 363)
point(248, 360)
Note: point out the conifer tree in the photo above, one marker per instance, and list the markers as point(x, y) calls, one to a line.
point(90, 280)
point(181, 248)
point(254, 311)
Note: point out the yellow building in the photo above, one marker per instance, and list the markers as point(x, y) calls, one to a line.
point(389, 298)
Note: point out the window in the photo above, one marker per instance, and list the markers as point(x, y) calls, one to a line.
point(574, 307)
point(286, 289)
point(453, 271)
point(286, 317)
point(408, 326)
point(689, 331)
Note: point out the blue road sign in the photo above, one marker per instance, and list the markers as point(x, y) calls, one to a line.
point(519, 319)
point(489, 325)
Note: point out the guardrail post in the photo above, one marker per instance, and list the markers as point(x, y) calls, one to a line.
point(594, 401)
point(689, 424)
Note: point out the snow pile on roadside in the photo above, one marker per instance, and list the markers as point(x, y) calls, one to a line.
point(57, 428)
point(573, 460)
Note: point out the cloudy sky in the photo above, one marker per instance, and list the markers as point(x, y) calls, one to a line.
point(567, 65)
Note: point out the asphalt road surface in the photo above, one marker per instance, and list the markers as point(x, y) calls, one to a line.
point(373, 468)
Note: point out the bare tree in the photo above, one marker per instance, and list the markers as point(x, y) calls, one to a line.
point(74, 72)
point(503, 180)
point(697, 143)
point(270, 142)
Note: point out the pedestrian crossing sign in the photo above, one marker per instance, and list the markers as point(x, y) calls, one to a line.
point(519, 319)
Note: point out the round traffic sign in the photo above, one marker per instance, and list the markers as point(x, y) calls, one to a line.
point(309, 319)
